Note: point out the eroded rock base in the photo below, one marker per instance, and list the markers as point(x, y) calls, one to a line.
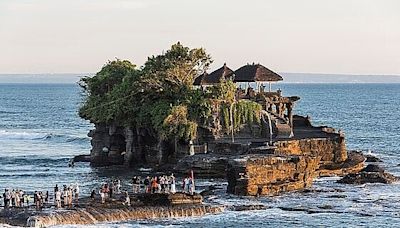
point(270, 174)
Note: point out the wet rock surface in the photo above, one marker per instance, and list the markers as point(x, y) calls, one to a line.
point(92, 212)
point(372, 158)
point(353, 164)
point(370, 174)
point(248, 207)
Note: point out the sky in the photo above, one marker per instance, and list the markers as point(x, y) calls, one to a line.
point(312, 36)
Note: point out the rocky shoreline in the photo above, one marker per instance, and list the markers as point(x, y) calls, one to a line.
point(144, 206)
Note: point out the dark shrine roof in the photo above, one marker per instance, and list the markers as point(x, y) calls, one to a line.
point(223, 73)
point(199, 80)
point(256, 73)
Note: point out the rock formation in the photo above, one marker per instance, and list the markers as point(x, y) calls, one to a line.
point(270, 174)
point(370, 174)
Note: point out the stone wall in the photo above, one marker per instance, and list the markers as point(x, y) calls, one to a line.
point(332, 149)
point(270, 174)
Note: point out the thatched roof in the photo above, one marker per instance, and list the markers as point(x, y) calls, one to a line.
point(199, 80)
point(223, 73)
point(256, 73)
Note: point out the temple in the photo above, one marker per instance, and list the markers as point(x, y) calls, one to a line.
point(256, 142)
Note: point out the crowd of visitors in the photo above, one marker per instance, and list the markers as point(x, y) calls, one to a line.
point(64, 197)
point(15, 198)
point(160, 184)
point(67, 195)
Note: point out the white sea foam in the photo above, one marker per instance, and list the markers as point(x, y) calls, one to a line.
point(20, 135)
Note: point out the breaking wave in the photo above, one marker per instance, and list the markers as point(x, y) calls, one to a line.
point(22, 135)
point(4, 135)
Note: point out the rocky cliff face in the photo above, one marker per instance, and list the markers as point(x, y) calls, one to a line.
point(270, 174)
point(116, 145)
point(332, 149)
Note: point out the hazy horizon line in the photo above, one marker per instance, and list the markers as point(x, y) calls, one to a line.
point(313, 73)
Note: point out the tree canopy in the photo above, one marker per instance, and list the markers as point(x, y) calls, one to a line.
point(159, 95)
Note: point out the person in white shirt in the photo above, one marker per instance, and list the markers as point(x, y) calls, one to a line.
point(173, 188)
point(76, 190)
point(58, 199)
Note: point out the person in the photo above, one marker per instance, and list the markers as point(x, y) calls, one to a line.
point(55, 190)
point(185, 185)
point(70, 197)
point(127, 199)
point(38, 200)
point(190, 186)
point(27, 199)
point(76, 190)
point(46, 198)
point(102, 195)
point(154, 185)
point(17, 199)
point(136, 184)
point(146, 183)
point(106, 191)
point(13, 197)
point(71, 163)
point(162, 184)
point(172, 181)
point(92, 195)
point(158, 184)
point(6, 198)
point(41, 199)
point(118, 186)
point(65, 196)
point(57, 199)
point(110, 190)
point(22, 198)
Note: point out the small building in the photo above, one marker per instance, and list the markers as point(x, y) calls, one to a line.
point(205, 80)
point(256, 73)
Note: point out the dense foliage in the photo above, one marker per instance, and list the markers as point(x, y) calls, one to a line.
point(160, 97)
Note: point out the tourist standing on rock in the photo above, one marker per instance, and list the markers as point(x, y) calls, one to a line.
point(190, 185)
point(127, 199)
point(110, 190)
point(92, 195)
point(102, 193)
point(55, 190)
point(76, 190)
point(172, 182)
point(162, 184)
point(13, 197)
point(46, 198)
point(136, 184)
point(38, 201)
point(17, 199)
point(70, 197)
point(57, 198)
point(118, 187)
point(27, 199)
point(146, 183)
point(6, 198)
point(185, 185)
point(22, 198)
point(154, 185)
point(41, 199)
point(34, 197)
point(65, 196)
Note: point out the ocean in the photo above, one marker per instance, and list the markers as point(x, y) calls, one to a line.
point(40, 131)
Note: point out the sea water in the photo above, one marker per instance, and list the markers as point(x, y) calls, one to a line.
point(40, 131)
